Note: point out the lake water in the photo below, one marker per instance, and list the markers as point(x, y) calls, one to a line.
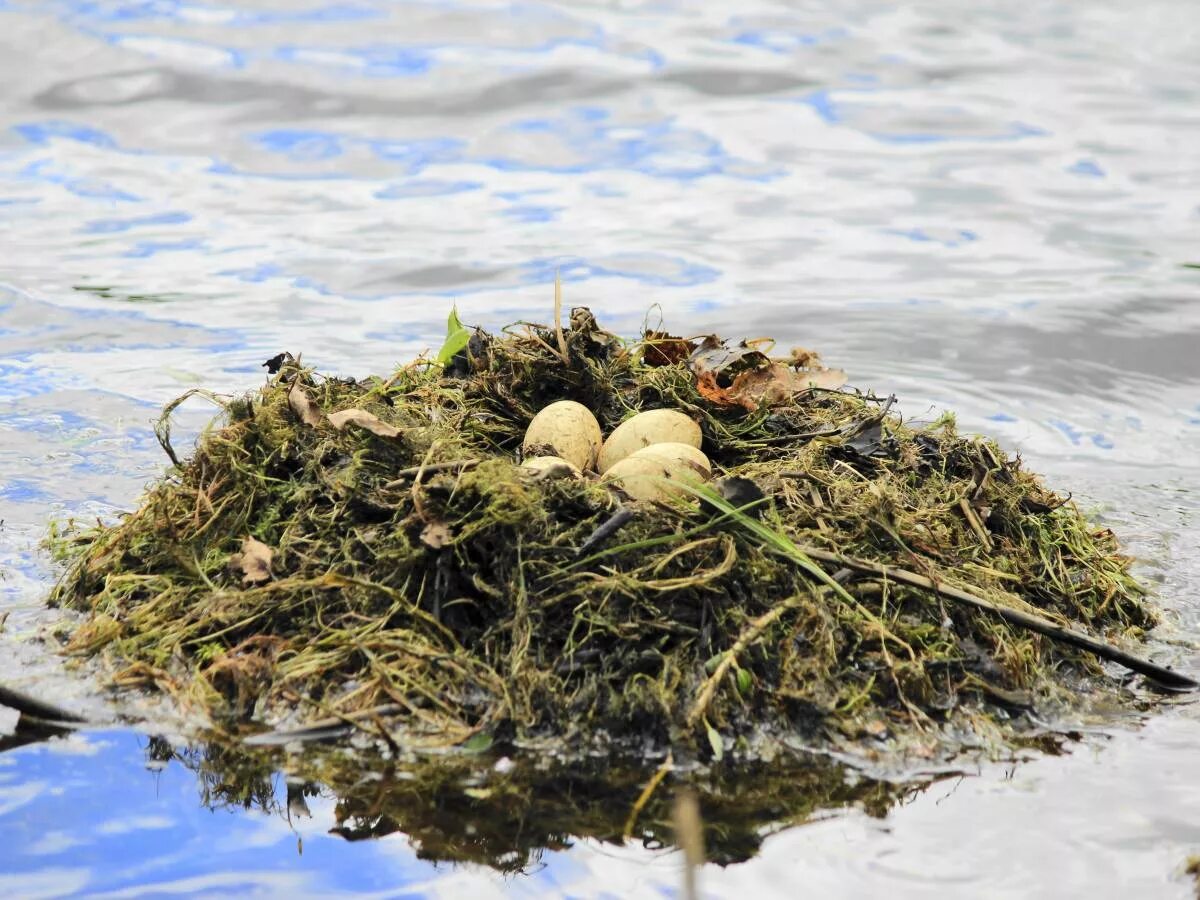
point(988, 208)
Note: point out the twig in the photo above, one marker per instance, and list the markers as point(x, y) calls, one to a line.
point(562, 341)
point(801, 436)
point(973, 520)
point(333, 726)
point(419, 472)
point(729, 657)
point(605, 530)
point(162, 428)
point(807, 557)
point(1103, 649)
point(856, 428)
point(689, 836)
point(647, 792)
point(35, 708)
point(815, 494)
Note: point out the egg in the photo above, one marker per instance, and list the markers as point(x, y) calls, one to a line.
point(551, 467)
point(656, 426)
point(566, 429)
point(673, 451)
point(652, 477)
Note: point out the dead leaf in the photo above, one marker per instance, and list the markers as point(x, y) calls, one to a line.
point(739, 375)
point(707, 387)
point(775, 384)
point(254, 561)
point(662, 349)
point(436, 535)
point(584, 328)
point(303, 406)
point(363, 419)
point(805, 359)
point(720, 357)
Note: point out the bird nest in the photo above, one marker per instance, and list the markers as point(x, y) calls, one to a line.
point(369, 556)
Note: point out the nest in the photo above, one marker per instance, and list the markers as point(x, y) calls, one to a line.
point(369, 554)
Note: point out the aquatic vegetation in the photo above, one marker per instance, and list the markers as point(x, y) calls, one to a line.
point(371, 555)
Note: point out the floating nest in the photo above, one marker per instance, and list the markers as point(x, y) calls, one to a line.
point(368, 556)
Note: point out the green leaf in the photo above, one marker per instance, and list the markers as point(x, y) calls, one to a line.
point(457, 337)
point(715, 741)
point(477, 743)
point(745, 682)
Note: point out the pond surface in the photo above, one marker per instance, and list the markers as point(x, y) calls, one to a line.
point(994, 213)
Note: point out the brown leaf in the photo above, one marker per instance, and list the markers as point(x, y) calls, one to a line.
point(254, 562)
point(805, 359)
point(715, 355)
point(706, 385)
point(303, 406)
point(363, 419)
point(662, 349)
point(436, 535)
point(740, 375)
point(774, 384)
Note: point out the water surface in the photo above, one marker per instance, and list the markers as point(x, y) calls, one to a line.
point(988, 210)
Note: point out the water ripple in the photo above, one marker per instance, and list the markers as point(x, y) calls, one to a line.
point(994, 214)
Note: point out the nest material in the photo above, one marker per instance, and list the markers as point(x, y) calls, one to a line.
point(395, 566)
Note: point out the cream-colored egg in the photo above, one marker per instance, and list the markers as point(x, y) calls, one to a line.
point(651, 478)
point(551, 467)
point(675, 452)
point(567, 429)
point(656, 426)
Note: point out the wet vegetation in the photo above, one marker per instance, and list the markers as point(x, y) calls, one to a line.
point(369, 556)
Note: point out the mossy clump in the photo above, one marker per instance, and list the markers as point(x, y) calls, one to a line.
point(394, 566)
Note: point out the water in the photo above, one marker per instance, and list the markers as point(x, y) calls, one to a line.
point(979, 210)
